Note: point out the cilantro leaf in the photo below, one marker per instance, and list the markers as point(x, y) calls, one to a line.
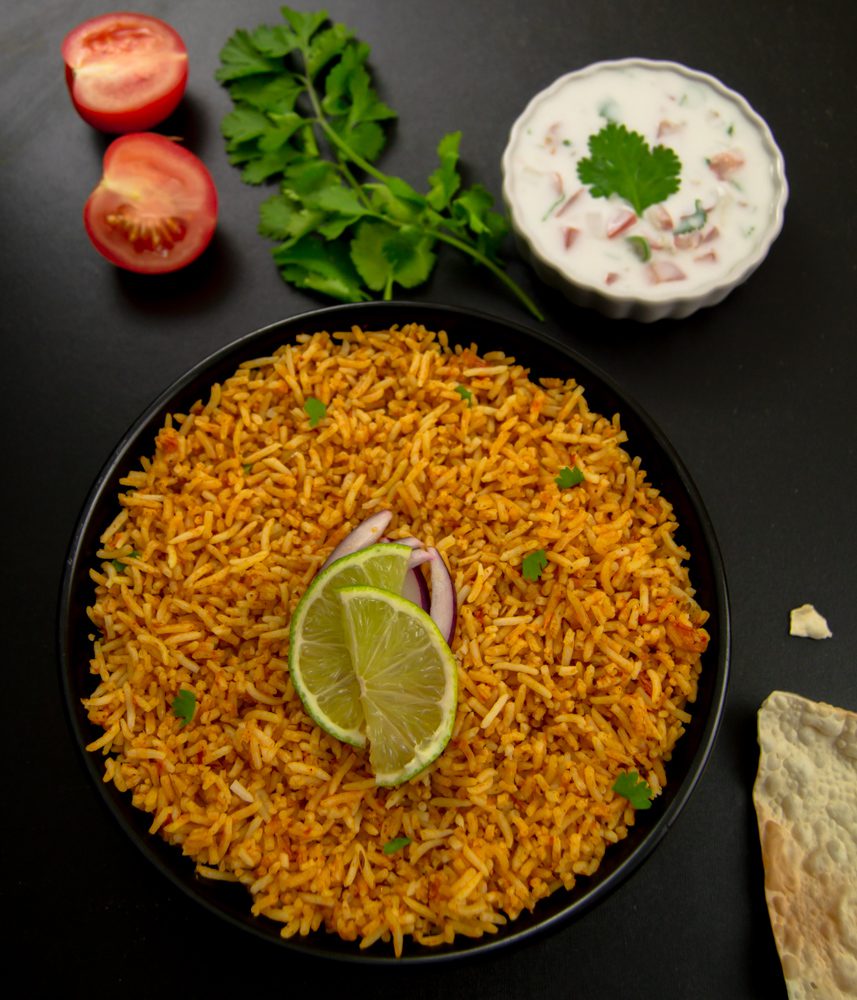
point(465, 393)
point(323, 267)
point(244, 124)
point(396, 844)
point(696, 220)
point(184, 705)
point(384, 254)
point(262, 169)
point(533, 564)
point(409, 254)
point(364, 139)
point(276, 41)
point(397, 202)
point(445, 180)
point(473, 209)
point(119, 565)
point(315, 410)
point(284, 218)
point(280, 132)
point(306, 114)
point(263, 92)
point(339, 208)
point(348, 89)
point(325, 46)
point(569, 477)
point(304, 25)
point(339, 83)
point(635, 789)
point(621, 162)
point(240, 57)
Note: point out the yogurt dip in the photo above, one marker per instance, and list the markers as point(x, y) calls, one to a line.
point(710, 233)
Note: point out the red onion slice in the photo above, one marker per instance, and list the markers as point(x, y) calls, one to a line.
point(443, 604)
point(415, 589)
point(419, 556)
point(412, 543)
point(366, 533)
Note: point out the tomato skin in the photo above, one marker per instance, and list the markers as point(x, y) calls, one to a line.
point(125, 72)
point(155, 208)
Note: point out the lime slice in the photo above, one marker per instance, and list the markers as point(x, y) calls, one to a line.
point(408, 680)
point(319, 659)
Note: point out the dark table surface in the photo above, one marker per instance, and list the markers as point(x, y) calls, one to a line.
point(757, 394)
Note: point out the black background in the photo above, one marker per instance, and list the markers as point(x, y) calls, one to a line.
point(757, 395)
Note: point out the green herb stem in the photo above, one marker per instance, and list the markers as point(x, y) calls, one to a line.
point(340, 145)
point(438, 234)
point(498, 272)
point(343, 147)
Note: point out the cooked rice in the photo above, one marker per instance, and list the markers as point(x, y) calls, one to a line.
point(564, 683)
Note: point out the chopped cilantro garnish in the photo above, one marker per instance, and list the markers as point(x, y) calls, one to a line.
point(315, 410)
point(694, 221)
point(621, 162)
point(248, 468)
point(635, 789)
point(307, 116)
point(533, 564)
point(569, 477)
point(396, 844)
point(119, 565)
point(465, 394)
point(552, 206)
point(640, 246)
point(184, 705)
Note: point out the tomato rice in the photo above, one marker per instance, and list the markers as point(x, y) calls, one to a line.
point(565, 682)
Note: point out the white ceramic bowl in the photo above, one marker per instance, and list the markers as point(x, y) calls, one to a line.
point(571, 263)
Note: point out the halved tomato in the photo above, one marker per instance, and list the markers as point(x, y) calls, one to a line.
point(155, 208)
point(125, 72)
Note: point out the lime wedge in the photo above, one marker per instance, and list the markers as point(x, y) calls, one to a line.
point(319, 659)
point(408, 680)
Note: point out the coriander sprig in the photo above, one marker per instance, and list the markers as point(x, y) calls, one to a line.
point(621, 162)
point(307, 115)
point(635, 789)
point(533, 564)
point(183, 706)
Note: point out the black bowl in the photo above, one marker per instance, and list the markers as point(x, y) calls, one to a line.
point(544, 356)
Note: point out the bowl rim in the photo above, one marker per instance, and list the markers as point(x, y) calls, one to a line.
point(741, 269)
point(167, 858)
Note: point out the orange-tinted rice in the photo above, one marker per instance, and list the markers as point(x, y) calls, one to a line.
point(565, 682)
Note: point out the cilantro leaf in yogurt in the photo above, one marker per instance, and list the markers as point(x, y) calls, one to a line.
point(696, 220)
point(621, 162)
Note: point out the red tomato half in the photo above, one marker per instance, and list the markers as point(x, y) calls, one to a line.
point(155, 208)
point(125, 72)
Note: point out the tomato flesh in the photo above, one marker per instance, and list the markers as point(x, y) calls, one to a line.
point(125, 72)
point(155, 208)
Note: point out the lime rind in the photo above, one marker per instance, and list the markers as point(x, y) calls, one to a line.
point(407, 678)
point(319, 660)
